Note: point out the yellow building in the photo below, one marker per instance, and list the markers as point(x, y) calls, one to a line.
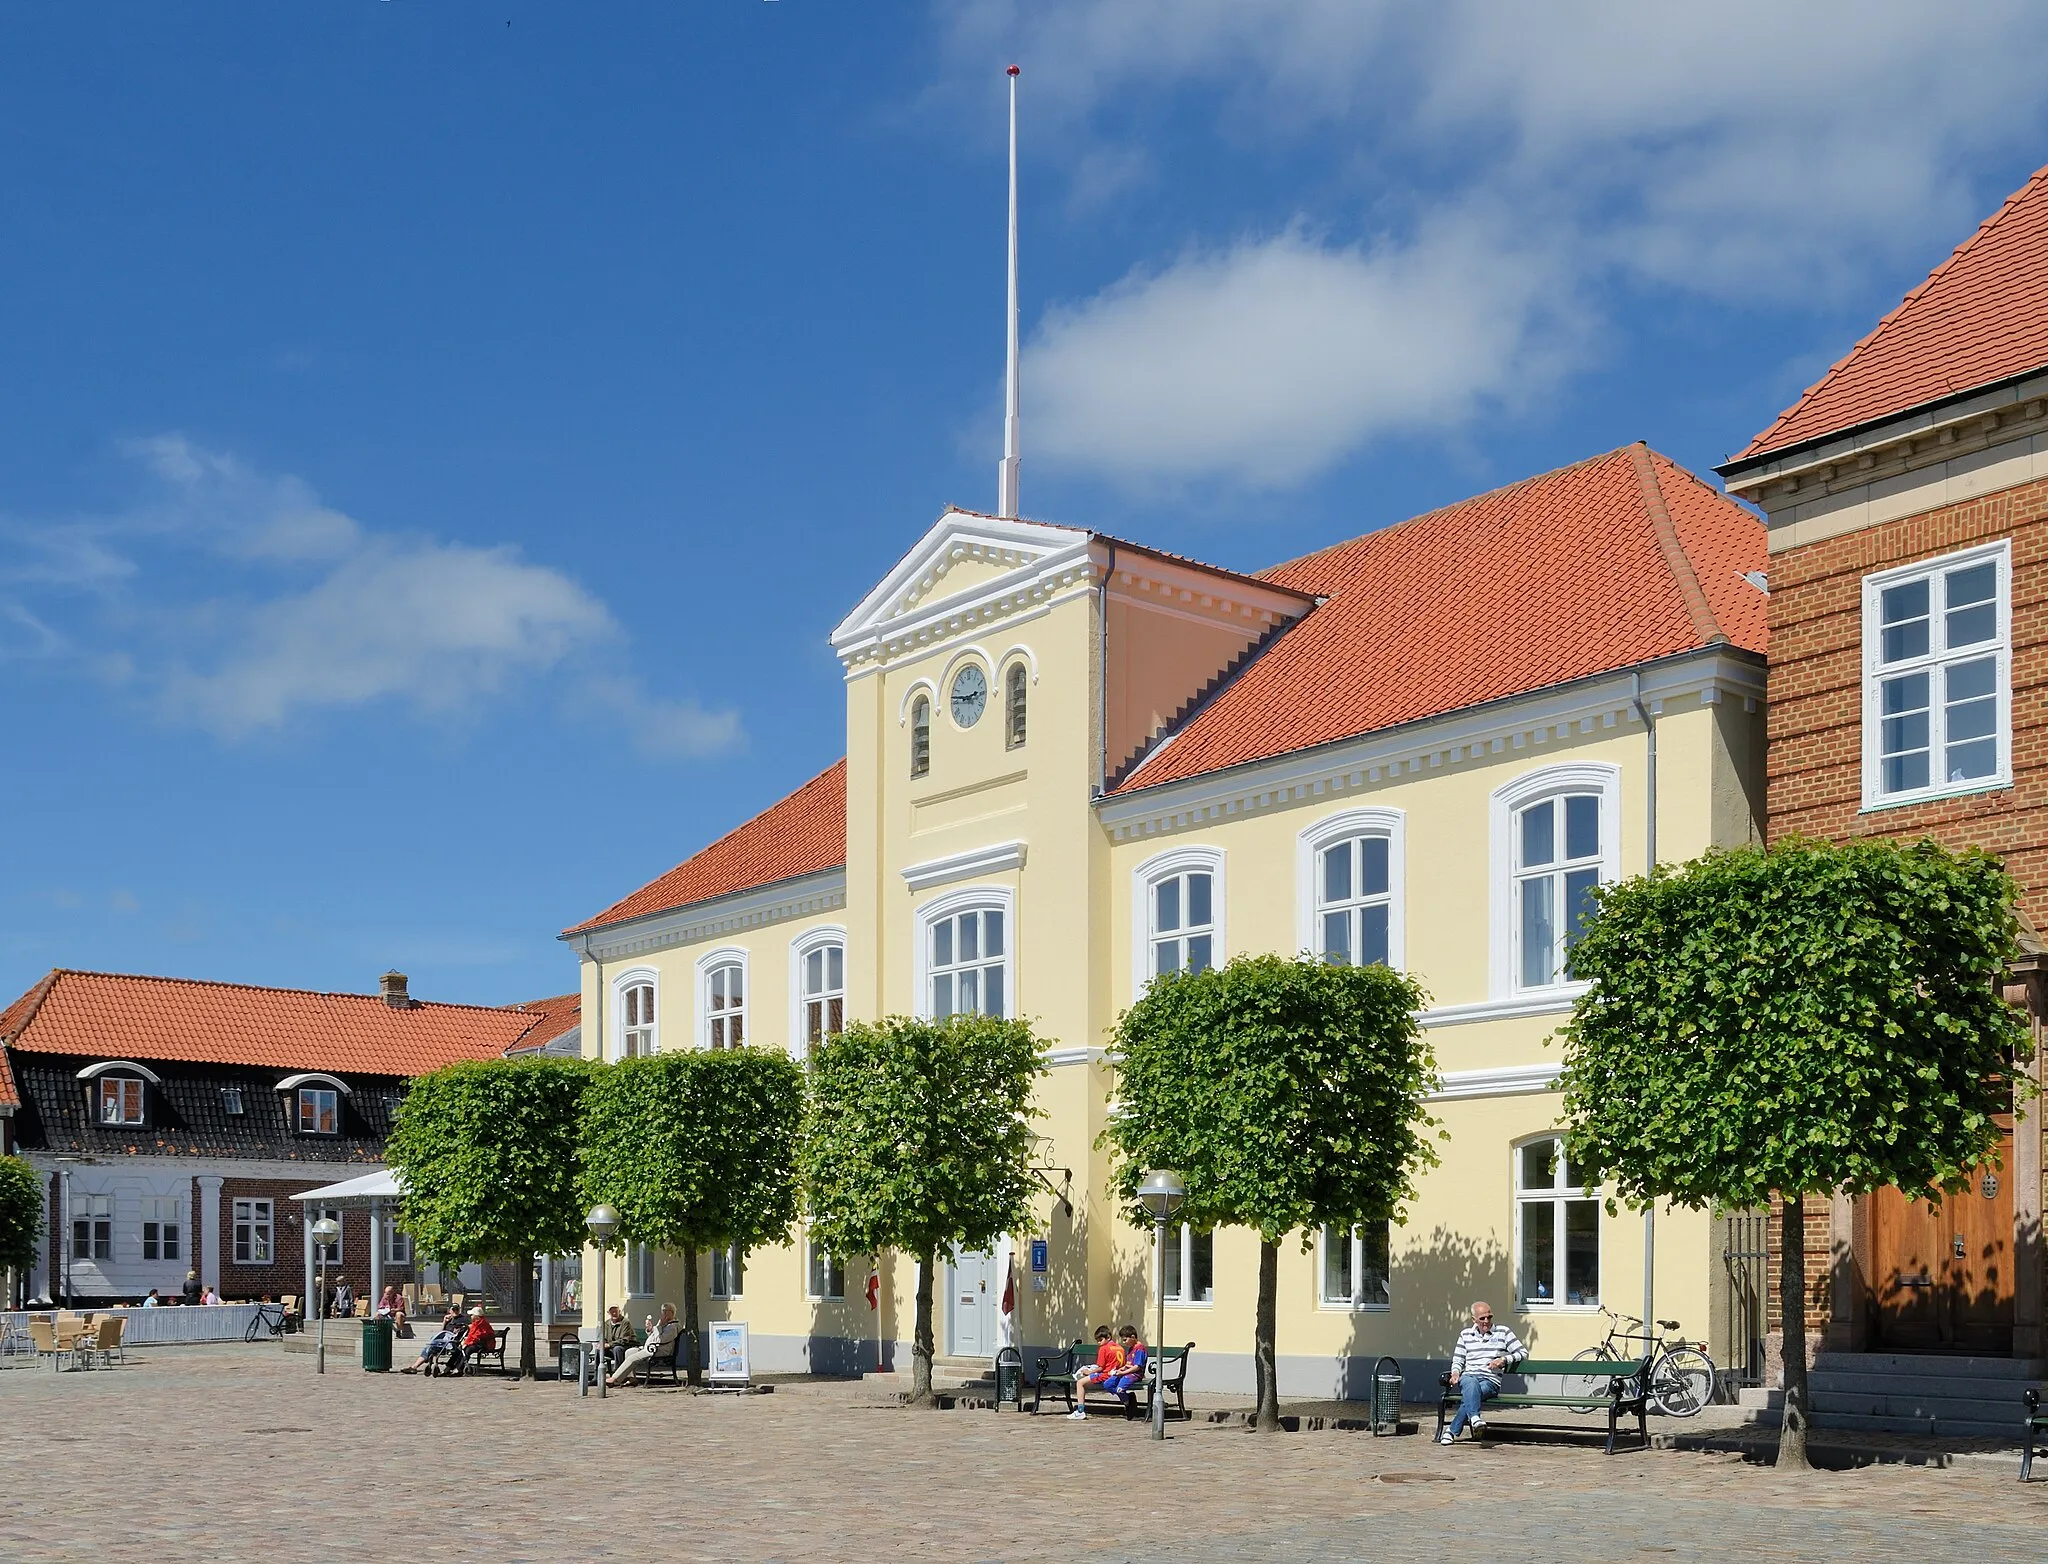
point(1073, 761)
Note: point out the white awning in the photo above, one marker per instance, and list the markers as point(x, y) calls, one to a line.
point(380, 1185)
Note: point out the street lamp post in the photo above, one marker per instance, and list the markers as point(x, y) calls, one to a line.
point(325, 1232)
point(603, 1221)
point(1162, 1194)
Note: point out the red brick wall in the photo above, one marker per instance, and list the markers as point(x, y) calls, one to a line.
point(288, 1272)
point(1819, 1242)
point(1816, 707)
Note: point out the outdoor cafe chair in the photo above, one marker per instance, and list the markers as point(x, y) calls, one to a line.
point(107, 1340)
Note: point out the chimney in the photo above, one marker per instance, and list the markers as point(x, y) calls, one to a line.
point(394, 991)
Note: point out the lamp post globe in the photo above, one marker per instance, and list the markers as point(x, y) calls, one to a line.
point(326, 1232)
point(1161, 1192)
point(603, 1221)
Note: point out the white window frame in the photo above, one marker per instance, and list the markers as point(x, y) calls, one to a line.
point(800, 950)
point(734, 1262)
point(1357, 1303)
point(1345, 826)
point(632, 977)
point(1553, 1203)
point(640, 1265)
point(1875, 672)
point(1504, 964)
point(94, 1214)
point(976, 898)
point(1195, 857)
point(126, 1090)
point(397, 1243)
point(1181, 1237)
point(710, 962)
point(163, 1227)
point(251, 1220)
point(812, 1292)
point(332, 1106)
point(334, 1250)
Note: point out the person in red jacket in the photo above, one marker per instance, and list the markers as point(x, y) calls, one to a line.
point(1109, 1360)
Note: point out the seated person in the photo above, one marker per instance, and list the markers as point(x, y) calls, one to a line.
point(661, 1336)
point(481, 1334)
point(446, 1339)
point(154, 1300)
point(1484, 1352)
point(1109, 1359)
point(619, 1337)
point(1132, 1374)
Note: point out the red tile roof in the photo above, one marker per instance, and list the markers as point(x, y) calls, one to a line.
point(804, 834)
point(551, 1018)
point(1981, 316)
point(10, 1095)
point(106, 1015)
point(1592, 568)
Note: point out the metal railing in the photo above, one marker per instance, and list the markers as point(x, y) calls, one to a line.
point(166, 1326)
point(1745, 1259)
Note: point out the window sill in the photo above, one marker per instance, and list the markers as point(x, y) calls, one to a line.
point(1934, 796)
point(1558, 1308)
point(1175, 1303)
point(1354, 1308)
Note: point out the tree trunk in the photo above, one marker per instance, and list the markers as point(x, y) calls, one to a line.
point(524, 1291)
point(693, 1316)
point(1267, 1417)
point(1792, 1315)
point(921, 1335)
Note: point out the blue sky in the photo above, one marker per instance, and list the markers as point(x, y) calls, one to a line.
point(436, 438)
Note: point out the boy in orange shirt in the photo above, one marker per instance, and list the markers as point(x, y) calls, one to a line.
point(1109, 1359)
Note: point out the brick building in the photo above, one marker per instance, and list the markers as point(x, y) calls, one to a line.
point(172, 1120)
point(1907, 501)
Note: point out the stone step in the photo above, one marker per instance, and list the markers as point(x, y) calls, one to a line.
point(1998, 1392)
point(1877, 1423)
point(1923, 1364)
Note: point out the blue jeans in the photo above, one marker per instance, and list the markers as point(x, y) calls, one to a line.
point(1476, 1388)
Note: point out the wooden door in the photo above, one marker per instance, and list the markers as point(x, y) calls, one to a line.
point(1942, 1270)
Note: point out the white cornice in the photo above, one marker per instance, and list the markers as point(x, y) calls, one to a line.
point(969, 865)
point(793, 898)
point(1544, 1002)
point(1513, 1080)
point(1526, 723)
point(1060, 1056)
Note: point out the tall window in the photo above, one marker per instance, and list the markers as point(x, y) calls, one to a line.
point(636, 1035)
point(397, 1244)
point(920, 737)
point(92, 1227)
point(1013, 707)
point(253, 1232)
point(160, 1224)
point(1559, 1229)
point(330, 1253)
point(640, 1270)
point(120, 1099)
point(825, 1275)
point(824, 994)
point(1183, 922)
point(1937, 676)
point(728, 1272)
point(725, 1005)
point(1354, 906)
point(319, 1110)
point(968, 964)
point(1354, 1268)
point(1557, 867)
point(1190, 1266)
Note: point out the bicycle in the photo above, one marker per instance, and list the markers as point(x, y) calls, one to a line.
point(1681, 1375)
point(268, 1319)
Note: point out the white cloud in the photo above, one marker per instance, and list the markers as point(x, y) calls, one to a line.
point(1747, 151)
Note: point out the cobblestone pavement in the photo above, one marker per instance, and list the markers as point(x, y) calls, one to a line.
point(232, 1453)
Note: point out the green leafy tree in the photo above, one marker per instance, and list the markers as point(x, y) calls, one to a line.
point(1288, 1094)
point(696, 1150)
point(1766, 1024)
point(486, 1155)
point(919, 1139)
point(21, 1215)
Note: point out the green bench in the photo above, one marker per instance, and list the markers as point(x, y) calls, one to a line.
point(1584, 1383)
point(2037, 1434)
point(1057, 1372)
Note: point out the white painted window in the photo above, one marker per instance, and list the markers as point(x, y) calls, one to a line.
point(1014, 706)
point(1937, 677)
point(636, 1020)
point(1190, 1261)
point(1556, 836)
point(397, 1243)
point(1177, 914)
point(824, 1273)
point(92, 1227)
point(161, 1227)
point(1352, 1268)
point(920, 737)
point(1349, 871)
point(728, 1272)
point(640, 1270)
point(330, 1253)
point(725, 1004)
point(319, 1111)
point(253, 1232)
point(823, 977)
point(970, 962)
point(120, 1099)
point(1557, 1226)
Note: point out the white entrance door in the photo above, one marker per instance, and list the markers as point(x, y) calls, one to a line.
point(971, 1305)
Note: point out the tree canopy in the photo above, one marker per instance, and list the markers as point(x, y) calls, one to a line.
point(1790, 1021)
point(1288, 1094)
point(21, 1214)
point(487, 1155)
point(918, 1138)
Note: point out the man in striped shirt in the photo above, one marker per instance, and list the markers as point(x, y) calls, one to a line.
point(1484, 1352)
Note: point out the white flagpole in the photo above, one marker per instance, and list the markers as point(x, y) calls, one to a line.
point(1006, 474)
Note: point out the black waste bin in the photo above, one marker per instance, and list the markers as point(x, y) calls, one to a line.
point(376, 1346)
point(1386, 1397)
point(1010, 1378)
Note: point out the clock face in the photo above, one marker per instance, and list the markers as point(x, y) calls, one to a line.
point(970, 695)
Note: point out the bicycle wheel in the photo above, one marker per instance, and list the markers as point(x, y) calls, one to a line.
point(1683, 1382)
point(1592, 1386)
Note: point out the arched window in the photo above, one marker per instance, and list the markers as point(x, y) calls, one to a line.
point(1349, 869)
point(969, 967)
point(921, 737)
point(1013, 707)
point(824, 994)
point(1556, 839)
point(725, 1004)
point(1176, 914)
point(636, 1032)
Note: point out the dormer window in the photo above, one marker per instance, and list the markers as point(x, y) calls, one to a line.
point(116, 1093)
point(231, 1100)
point(120, 1100)
point(319, 1110)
